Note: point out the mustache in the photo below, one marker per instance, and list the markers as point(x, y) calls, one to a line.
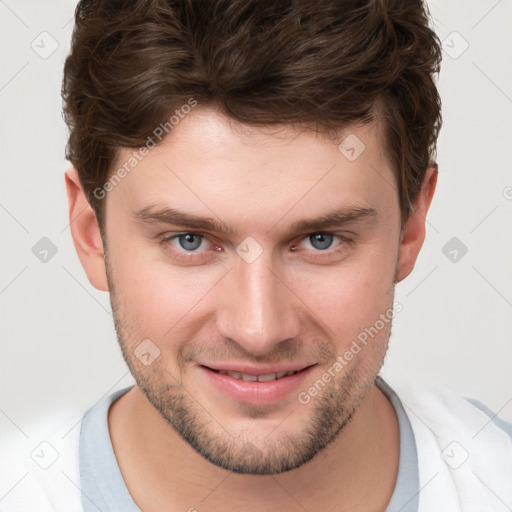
point(290, 350)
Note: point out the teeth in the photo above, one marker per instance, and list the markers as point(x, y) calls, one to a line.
point(267, 378)
point(253, 378)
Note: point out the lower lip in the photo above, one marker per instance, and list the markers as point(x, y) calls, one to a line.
point(251, 392)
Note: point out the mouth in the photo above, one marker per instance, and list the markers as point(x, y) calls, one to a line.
point(254, 386)
point(247, 377)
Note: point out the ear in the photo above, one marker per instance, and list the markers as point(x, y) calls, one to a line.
point(85, 232)
point(413, 233)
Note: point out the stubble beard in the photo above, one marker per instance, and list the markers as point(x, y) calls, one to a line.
point(331, 411)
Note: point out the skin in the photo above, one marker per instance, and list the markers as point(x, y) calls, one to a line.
point(180, 443)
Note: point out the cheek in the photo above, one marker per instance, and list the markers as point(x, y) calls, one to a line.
point(158, 299)
point(351, 297)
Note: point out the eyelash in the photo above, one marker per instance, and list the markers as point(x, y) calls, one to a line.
point(344, 241)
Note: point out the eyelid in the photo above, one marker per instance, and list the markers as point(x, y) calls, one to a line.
point(343, 241)
point(342, 238)
point(170, 235)
point(174, 236)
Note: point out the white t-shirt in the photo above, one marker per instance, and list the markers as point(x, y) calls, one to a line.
point(455, 455)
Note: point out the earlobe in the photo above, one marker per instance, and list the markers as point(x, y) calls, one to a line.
point(85, 232)
point(413, 234)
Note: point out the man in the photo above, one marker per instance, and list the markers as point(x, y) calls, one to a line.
point(250, 180)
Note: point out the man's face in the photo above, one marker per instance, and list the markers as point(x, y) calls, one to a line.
point(269, 285)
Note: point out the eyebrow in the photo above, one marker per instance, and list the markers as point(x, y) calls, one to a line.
point(338, 217)
point(172, 216)
point(165, 215)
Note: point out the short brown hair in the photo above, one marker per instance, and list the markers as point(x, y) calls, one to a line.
point(321, 63)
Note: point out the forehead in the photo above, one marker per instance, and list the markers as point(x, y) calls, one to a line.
point(210, 163)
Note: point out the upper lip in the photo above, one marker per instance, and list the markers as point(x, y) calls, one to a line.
point(250, 369)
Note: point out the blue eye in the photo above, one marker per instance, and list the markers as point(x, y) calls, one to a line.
point(189, 241)
point(189, 248)
point(321, 241)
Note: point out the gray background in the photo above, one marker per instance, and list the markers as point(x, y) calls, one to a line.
point(58, 344)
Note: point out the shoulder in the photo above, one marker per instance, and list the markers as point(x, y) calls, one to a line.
point(443, 408)
point(464, 448)
point(39, 470)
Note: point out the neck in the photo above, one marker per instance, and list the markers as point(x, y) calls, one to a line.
point(151, 455)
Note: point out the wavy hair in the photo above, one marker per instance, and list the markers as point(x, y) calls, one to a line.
point(321, 63)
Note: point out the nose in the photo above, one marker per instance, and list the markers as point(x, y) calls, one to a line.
point(256, 307)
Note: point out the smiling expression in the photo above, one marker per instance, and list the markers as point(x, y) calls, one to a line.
point(238, 255)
